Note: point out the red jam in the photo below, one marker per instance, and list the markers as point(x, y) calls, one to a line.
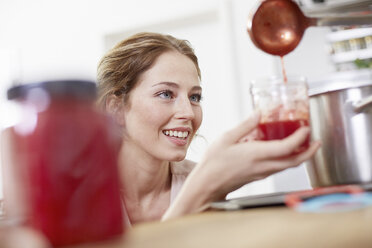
point(281, 129)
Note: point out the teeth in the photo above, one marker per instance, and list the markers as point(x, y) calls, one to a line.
point(177, 134)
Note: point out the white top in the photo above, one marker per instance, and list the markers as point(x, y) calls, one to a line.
point(180, 171)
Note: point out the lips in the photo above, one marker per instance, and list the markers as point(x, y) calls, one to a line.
point(176, 134)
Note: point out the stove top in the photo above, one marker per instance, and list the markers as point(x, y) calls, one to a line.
point(277, 198)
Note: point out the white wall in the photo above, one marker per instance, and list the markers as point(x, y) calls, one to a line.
point(53, 38)
point(66, 37)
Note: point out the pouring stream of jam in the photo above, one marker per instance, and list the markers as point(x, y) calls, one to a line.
point(285, 78)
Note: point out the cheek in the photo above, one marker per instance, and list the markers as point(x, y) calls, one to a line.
point(145, 117)
point(156, 115)
point(198, 118)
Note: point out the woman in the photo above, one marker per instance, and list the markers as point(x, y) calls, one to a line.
point(150, 84)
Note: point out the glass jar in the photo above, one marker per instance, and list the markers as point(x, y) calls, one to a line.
point(284, 107)
point(63, 157)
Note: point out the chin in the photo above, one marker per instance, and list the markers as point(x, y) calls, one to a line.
point(178, 158)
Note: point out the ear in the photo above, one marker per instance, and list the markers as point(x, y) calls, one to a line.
point(115, 107)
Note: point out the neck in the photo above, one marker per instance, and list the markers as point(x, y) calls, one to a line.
point(141, 175)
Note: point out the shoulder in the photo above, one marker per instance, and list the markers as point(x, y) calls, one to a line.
point(183, 167)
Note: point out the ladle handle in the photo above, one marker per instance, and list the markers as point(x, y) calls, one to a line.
point(341, 20)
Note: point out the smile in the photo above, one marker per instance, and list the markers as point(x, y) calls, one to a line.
point(176, 134)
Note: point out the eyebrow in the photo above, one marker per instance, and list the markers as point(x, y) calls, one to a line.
point(172, 84)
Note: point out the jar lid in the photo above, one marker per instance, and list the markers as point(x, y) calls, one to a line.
point(75, 88)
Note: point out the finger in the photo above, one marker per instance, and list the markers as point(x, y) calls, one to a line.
point(276, 165)
point(255, 134)
point(245, 127)
point(306, 155)
point(281, 148)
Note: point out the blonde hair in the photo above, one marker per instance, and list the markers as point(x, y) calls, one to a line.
point(119, 69)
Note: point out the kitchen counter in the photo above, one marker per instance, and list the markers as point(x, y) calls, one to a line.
point(256, 227)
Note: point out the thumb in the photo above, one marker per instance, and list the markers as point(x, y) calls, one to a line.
point(241, 130)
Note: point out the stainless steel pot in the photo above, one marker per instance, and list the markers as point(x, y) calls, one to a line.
point(341, 117)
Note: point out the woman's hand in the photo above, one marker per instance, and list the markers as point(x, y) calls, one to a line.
point(233, 163)
point(230, 163)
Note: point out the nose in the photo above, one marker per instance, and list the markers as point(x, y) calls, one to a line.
point(184, 109)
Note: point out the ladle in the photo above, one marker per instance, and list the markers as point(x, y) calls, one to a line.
point(277, 26)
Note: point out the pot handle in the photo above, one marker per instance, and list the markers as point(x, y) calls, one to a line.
point(358, 106)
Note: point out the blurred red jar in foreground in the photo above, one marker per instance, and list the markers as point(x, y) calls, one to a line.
point(64, 155)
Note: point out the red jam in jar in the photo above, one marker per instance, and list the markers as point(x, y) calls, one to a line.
point(67, 152)
point(281, 129)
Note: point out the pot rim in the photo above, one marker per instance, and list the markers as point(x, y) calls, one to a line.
point(340, 81)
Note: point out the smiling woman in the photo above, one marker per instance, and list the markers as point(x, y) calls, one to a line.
point(150, 84)
point(156, 101)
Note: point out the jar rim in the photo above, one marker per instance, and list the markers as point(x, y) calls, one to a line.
point(69, 87)
point(278, 80)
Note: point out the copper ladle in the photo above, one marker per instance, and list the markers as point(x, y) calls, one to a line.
point(277, 26)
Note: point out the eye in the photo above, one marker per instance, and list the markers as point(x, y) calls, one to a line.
point(166, 94)
point(196, 97)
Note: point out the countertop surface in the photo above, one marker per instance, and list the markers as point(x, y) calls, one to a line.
point(255, 227)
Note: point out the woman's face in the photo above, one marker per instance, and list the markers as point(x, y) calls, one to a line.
point(163, 111)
